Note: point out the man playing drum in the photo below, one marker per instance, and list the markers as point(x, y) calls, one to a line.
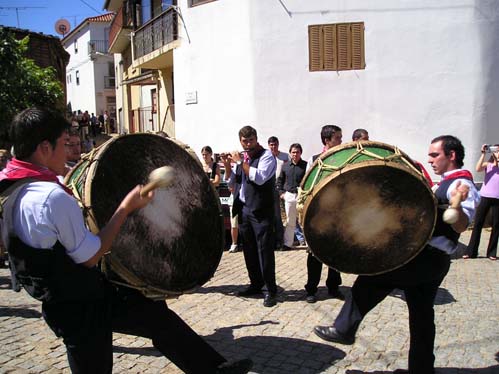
point(53, 257)
point(421, 277)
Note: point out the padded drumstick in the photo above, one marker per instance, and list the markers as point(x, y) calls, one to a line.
point(451, 215)
point(160, 177)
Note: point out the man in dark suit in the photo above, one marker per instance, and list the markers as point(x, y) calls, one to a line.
point(253, 181)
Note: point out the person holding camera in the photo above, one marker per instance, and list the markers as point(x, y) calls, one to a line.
point(489, 200)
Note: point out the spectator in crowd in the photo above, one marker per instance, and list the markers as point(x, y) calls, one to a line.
point(288, 182)
point(73, 149)
point(360, 134)
point(253, 181)
point(106, 122)
point(281, 158)
point(94, 126)
point(331, 136)
point(234, 225)
point(5, 157)
point(489, 201)
point(210, 167)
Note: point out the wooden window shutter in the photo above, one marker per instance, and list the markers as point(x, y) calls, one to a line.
point(330, 52)
point(314, 48)
point(344, 42)
point(358, 60)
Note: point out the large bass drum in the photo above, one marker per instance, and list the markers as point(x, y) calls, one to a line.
point(366, 208)
point(172, 245)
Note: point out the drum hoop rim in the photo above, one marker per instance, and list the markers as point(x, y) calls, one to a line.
point(354, 144)
point(358, 165)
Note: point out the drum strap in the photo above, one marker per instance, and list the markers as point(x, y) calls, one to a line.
point(130, 279)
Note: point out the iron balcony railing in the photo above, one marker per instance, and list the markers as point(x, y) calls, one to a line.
point(97, 46)
point(122, 20)
point(156, 33)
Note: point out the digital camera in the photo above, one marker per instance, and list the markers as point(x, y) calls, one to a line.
point(491, 148)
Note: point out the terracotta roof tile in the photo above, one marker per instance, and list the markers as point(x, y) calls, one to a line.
point(108, 17)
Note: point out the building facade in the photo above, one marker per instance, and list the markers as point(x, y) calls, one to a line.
point(405, 71)
point(90, 75)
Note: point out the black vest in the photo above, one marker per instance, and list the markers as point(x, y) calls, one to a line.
point(259, 199)
point(442, 228)
point(50, 275)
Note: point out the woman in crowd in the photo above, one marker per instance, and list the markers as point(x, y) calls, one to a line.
point(489, 200)
point(210, 167)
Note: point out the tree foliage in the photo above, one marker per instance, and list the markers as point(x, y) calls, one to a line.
point(23, 83)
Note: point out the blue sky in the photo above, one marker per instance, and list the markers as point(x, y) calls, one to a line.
point(41, 15)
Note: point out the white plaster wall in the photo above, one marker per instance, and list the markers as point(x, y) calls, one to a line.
point(430, 71)
point(82, 96)
point(118, 92)
point(216, 62)
point(90, 94)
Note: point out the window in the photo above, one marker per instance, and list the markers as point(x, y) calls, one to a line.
point(76, 45)
point(198, 2)
point(77, 75)
point(336, 47)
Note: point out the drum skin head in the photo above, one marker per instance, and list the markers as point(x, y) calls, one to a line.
point(176, 242)
point(369, 220)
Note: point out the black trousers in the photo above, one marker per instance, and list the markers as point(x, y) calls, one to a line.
point(419, 279)
point(258, 249)
point(87, 331)
point(486, 203)
point(314, 270)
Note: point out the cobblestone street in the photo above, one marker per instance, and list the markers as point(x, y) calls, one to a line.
point(280, 339)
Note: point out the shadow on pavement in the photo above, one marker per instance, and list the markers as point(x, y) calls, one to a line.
point(141, 351)
point(443, 296)
point(23, 311)
point(487, 370)
point(5, 283)
point(279, 351)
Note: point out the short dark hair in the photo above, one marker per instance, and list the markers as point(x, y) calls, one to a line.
point(33, 126)
point(328, 131)
point(73, 132)
point(273, 139)
point(297, 146)
point(357, 134)
point(247, 132)
point(208, 149)
point(451, 143)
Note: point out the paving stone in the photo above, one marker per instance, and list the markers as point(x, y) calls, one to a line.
point(281, 339)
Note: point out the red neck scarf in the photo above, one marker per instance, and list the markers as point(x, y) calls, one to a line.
point(17, 169)
point(458, 174)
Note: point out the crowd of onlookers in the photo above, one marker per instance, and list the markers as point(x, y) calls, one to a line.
point(90, 125)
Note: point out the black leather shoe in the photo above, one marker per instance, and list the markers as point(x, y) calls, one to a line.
point(311, 299)
point(336, 294)
point(269, 300)
point(235, 367)
point(330, 334)
point(250, 291)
